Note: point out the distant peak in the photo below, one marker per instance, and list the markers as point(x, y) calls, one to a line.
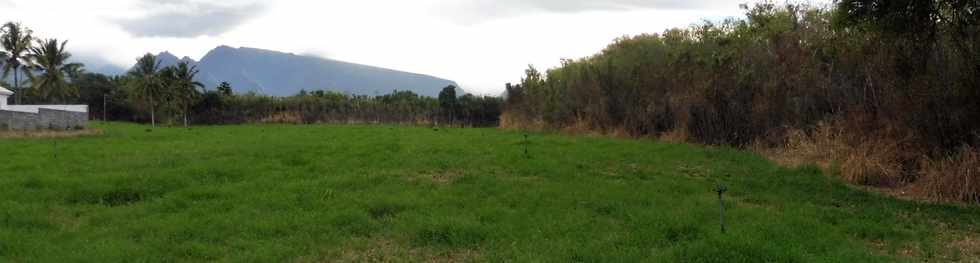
point(218, 51)
point(166, 55)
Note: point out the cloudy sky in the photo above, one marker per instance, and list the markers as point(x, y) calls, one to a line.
point(481, 44)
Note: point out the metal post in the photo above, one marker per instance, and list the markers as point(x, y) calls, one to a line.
point(721, 189)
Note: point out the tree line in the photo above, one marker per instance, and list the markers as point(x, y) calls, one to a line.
point(40, 66)
point(150, 92)
point(901, 75)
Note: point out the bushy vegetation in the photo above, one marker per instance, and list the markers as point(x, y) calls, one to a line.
point(400, 107)
point(901, 78)
point(348, 193)
point(124, 102)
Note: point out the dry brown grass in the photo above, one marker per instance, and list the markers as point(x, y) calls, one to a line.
point(282, 117)
point(968, 247)
point(954, 179)
point(678, 135)
point(49, 134)
point(385, 250)
point(822, 147)
point(875, 162)
point(509, 121)
point(582, 127)
point(579, 128)
point(444, 177)
point(619, 132)
point(885, 160)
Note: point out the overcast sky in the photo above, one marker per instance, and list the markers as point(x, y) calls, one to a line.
point(481, 44)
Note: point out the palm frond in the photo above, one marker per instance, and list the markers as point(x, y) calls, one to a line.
point(16, 44)
point(50, 60)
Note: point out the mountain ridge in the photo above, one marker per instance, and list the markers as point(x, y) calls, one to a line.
point(278, 73)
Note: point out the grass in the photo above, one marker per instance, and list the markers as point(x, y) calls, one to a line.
point(379, 193)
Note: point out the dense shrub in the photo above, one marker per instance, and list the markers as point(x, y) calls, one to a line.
point(903, 93)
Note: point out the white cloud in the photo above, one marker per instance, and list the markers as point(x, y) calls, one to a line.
point(184, 18)
point(478, 11)
point(435, 37)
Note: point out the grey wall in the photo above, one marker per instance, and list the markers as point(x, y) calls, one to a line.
point(44, 119)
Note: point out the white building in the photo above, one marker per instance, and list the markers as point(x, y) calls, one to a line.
point(32, 117)
point(4, 94)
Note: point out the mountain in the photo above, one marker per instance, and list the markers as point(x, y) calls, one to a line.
point(284, 74)
point(168, 59)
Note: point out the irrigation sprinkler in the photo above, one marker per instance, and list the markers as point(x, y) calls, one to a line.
point(721, 189)
point(526, 154)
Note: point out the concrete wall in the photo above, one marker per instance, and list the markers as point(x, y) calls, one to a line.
point(37, 108)
point(44, 119)
point(18, 120)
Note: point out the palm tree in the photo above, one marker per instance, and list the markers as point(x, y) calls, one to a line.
point(185, 88)
point(51, 61)
point(16, 41)
point(167, 97)
point(147, 82)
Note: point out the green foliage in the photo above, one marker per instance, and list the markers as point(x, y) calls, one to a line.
point(448, 104)
point(892, 16)
point(403, 107)
point(225, 89)
point(183, 87)
point(16, 42)
point(103, 94)
point(311, 193)
point(146, 83)
point(51, 60)
point(882, 66)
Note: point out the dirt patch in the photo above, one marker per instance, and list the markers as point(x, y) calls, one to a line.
point(442, 177)
point(968, 247)
point(954, 245)
point(694, 171)
point(45, 134)
point(959, 245)
point(386, 250)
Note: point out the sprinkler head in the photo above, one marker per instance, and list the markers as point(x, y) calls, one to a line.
point(720, 189)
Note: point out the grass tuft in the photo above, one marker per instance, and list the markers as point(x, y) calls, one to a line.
point(451, 234)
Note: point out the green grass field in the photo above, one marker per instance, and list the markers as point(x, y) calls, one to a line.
point(382, 193)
